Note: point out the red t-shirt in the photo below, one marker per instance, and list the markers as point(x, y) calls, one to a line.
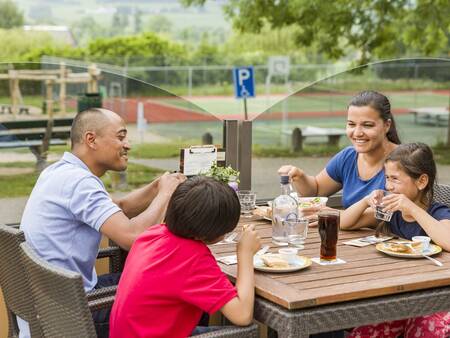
point(167, 282)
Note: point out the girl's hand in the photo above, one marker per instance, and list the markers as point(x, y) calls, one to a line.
point(250, 241)
point(374, 198)
point(294, 173)
point(398, 202)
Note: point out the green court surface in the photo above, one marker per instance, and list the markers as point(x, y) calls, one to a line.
point(306, 103)
point(269, 132)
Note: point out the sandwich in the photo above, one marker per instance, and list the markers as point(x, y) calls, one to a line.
point(273, 261)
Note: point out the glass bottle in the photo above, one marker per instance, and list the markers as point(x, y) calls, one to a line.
point(284, 208)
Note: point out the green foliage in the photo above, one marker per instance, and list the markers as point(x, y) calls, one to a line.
point(222, 174)
point(159, 24)
point(441, 153)
point(10, 15)
point(16, 43)
point(373, 28)
point(143, 45)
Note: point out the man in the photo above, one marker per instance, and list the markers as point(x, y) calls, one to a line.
point(69, 208)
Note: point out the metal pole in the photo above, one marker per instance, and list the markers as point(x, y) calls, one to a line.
point(245, 155)
point(230, 143)
point(245, 109)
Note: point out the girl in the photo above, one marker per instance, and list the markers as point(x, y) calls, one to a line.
point(410, 176)
point(171, 277)
point(358, 169)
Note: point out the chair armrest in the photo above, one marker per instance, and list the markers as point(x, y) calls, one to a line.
point(102, 303)
point(117, 257)
point(102, 292)
point(250, 331)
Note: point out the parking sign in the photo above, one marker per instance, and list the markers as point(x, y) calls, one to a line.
point(244, 82)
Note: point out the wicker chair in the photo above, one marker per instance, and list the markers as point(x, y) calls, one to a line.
point(14, 282)
point(442, 194)
point(61, 304)
point(66, 311)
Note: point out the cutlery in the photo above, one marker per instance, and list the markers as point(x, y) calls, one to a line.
point(435, 261)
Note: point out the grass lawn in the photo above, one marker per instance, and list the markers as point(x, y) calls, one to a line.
point(22, 184)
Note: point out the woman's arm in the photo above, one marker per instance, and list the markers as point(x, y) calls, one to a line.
point(306, 185)
point(359, 215)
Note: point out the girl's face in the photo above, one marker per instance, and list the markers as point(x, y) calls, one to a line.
point(365, 128)
point(399, 182)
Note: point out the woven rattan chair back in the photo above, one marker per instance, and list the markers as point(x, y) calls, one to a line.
point(59, 298)
point(14, 282)
point(442, 194)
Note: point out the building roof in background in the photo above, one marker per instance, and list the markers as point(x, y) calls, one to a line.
point(58, 33)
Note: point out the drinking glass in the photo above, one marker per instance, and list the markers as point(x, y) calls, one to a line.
point(247, 199)
point(328, 230)
point(379, 213)
point(297, 230)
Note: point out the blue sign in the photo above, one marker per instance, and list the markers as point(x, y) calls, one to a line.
point(244, 82)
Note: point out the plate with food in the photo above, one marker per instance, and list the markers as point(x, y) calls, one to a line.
point(275, 263)
point(310, 202)
point(407, 249)
point(264, 211)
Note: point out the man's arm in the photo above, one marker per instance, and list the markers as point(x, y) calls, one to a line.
point(124, 230)
point(138, 200)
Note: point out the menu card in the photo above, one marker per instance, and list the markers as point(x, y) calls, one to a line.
point(364, 241)
point(197, 159)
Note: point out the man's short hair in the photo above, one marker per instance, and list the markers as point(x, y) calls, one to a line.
point(92, 119)
point(203, 208)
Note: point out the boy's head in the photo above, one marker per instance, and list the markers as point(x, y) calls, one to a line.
point(203, 208)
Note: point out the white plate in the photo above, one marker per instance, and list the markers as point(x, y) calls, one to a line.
point(302, 262)
point(433, 250)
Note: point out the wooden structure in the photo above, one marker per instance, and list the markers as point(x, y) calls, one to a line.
point(51, 77)
point(437, 116)
point(370, 287)
point(38, 135)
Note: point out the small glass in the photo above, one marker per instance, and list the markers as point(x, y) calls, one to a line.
point(379, 213)
point(247, 199)
point(297, 229)
point(328, 230)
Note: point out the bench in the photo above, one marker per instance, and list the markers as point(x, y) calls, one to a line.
point(298, 135)
point(431, 115)
point(7, 108)
point(37, 135)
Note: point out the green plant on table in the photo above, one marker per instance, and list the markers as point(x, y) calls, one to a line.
point(223, 174)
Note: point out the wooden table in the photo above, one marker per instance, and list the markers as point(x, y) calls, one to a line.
point(370, 287)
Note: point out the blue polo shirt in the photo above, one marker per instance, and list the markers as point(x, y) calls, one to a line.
point(398, 226)
point(63, 216)
point(343, 168)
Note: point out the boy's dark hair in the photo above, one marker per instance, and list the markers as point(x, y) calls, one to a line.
point(203, 208)
point(415, 159)
point(381, 104)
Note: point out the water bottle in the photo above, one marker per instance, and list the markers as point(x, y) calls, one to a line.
point(284, 208)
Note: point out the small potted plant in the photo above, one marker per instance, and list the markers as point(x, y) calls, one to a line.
point(224, 174)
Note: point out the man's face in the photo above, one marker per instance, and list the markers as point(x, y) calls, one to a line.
point(112, 144)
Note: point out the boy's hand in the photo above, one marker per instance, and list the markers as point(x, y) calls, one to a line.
point(250, 241)
point(374, 198)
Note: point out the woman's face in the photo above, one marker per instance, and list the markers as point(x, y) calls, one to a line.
point(365, 128)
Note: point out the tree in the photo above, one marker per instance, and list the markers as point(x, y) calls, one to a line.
point(374, 28)
point(10, 15)
point(159, 24)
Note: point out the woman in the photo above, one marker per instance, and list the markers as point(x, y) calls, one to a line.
point(357, 169)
